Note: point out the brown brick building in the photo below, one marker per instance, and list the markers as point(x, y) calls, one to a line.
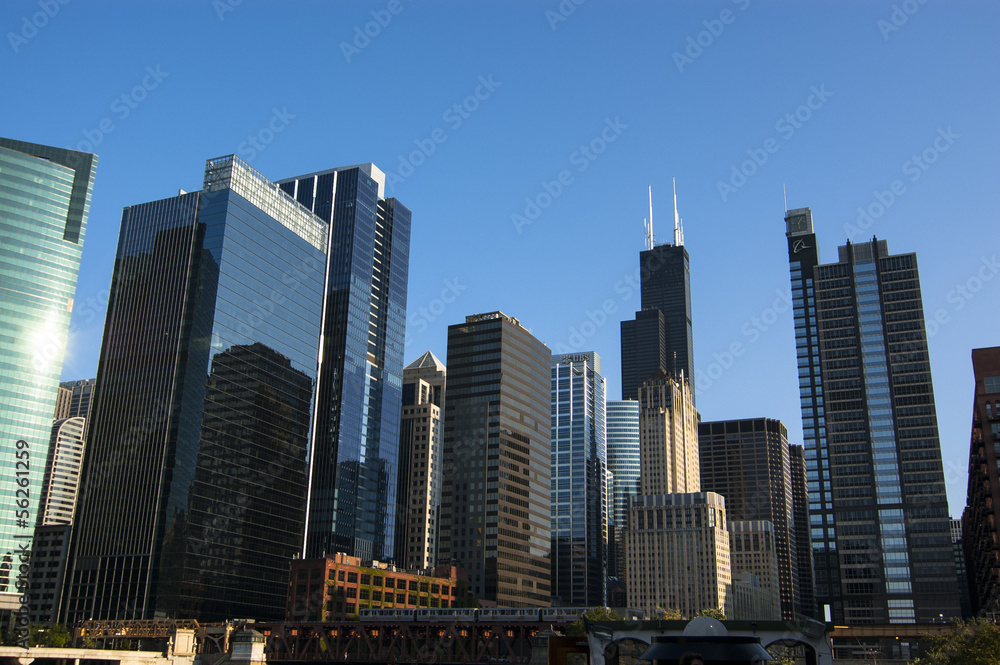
point(339, 586)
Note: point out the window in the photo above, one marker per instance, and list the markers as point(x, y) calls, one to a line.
point(366, 579)
point(992, 384)
point(352, 578)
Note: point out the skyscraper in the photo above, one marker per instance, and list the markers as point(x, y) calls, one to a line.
point(44, 202)
point(877, 504)
point(623, 466)
point(74, 399)
point(801, 531)
point(352, 475)
point(496, 503)
point(579, 481)
point(665, 286)
point(194, 479)
point(676, 541)
point(762, 490)
point(981, 519)
point(420, 463)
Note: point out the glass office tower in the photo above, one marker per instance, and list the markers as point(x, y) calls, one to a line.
point(496, 504)
point(194, 480)
point(877, 504)
point(44, 202)
point(352, 486)
point(623, 466)
point(579, 481)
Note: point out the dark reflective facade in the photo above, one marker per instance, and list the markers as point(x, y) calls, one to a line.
point(650, 343)
point(352, 487)
point(496, 504)
point(193, 495)
point(877, 505)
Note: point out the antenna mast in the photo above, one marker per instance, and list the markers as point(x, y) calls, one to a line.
point(678, 229)
point(648, 223)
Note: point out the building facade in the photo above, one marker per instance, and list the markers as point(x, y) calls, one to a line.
point(762, 490)
point(668, 437)
point(753, 549)
point(44, 203)
point(74, 399)
point(877, 505)
point(338, 587)
point(420, 464)
point(801, 531)
point(354, 460)
point(981, 519)
point(496, 502)
point(194, 479)
point(579, 481)
point(677, 547)
point(623, 468)
point(676, 539)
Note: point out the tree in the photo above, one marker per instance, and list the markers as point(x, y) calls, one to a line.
point(578, 627)
point(974, 642)
point(668, 613)
point(712, 612)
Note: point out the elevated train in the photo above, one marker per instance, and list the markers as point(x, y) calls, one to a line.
point(469, 615)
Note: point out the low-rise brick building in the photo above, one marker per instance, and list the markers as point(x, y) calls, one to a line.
point(339, 586)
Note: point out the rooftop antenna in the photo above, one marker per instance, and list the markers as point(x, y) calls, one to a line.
point(678, 229)
point(648, 223)
point(785, 193)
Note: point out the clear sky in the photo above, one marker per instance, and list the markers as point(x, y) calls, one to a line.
point(524, 135)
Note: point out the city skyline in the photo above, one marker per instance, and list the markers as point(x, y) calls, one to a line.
point(882, 113)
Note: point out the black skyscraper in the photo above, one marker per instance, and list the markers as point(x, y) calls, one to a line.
point(877, 504)
point(665, 279)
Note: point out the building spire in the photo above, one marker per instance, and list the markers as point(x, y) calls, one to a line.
point(678, 229)
point(648, 223)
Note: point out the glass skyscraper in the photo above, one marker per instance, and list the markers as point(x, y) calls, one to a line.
point(579, 481)
point(353, 465)
point(194, 487)
point(44, 202)
point(877, 505)
point(623, 467)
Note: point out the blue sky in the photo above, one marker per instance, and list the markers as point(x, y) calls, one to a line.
point(481, 110)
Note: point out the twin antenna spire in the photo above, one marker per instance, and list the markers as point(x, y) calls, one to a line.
point(648, 223)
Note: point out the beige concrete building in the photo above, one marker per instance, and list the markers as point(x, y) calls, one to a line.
point(752, 547)
point(677, 542)
point(677, 552)
point(668, 436)
point(419, 490)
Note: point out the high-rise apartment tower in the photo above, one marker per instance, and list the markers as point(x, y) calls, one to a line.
point(877, 503)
